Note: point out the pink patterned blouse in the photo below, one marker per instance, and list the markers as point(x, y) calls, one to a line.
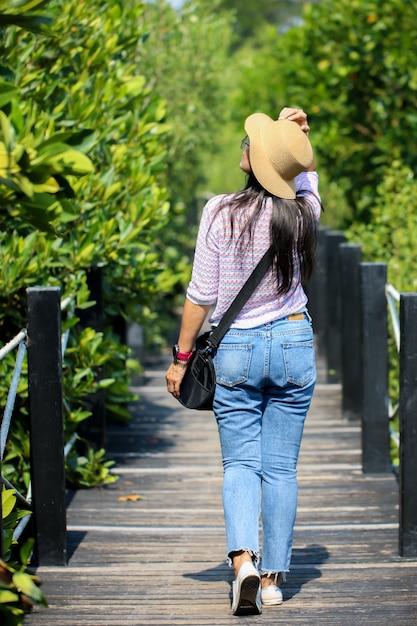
point(219, 272)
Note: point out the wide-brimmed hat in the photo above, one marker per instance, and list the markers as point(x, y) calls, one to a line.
point(279, 151)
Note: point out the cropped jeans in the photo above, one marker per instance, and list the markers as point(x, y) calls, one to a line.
point(265, 382)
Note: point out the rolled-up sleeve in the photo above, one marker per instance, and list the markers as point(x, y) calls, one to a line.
point(307, 186)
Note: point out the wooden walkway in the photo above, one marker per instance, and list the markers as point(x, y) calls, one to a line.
point(149, 550)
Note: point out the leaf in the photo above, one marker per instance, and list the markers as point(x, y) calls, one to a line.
point(34, 23)
point(18, 6)
point(85, 373)
point(80, 140)
point(6, 130)
point(73, 162)
point(25, 584)
point(26, 550)
point(79, 416)
point(8, 597)
point(105, 382)
point(133, 497)
point(62, 159)
point(7, 92)
point(49, 149)
point(134, 86)
point(50, 186)
point(24, 184)
point(8, 501)
point(86, 254)
point(37, 215)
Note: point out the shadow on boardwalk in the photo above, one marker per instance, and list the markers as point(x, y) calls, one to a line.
point(149, 550)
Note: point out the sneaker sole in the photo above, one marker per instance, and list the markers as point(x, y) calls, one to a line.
point(247, 604)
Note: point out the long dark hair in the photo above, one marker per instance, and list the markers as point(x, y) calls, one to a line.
point(293, 230)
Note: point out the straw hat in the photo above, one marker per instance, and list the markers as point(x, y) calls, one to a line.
point(279, 151)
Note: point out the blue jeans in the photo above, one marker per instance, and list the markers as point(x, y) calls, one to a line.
point(265, 381)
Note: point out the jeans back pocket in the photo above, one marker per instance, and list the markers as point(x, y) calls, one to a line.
point(300, 364)
point(232, 363)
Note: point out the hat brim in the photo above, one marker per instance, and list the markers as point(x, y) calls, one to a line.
point(262, 132)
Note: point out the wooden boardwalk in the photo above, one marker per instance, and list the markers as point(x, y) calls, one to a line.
point(149, 550)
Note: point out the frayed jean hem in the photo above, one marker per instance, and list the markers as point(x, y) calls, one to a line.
point(254, 555)
point(268, 574)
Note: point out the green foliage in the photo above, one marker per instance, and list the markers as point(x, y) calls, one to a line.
point(255, 13)
point(11, 516)
point(24, 13)
point(89, 471)
point(66, 96)
point(184, 59)
point(19, 589)
point(364, 89)
point(89, 85)
point(350, 66)
point(16, 464)
point(390, 235)
point(63, 211)
point(85, 156)
point(33, 173)
point(390, 238)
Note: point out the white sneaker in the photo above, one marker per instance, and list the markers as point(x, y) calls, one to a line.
point(271, 595)
point(246, 591)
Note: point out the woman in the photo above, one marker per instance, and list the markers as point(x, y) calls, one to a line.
point(265, 365)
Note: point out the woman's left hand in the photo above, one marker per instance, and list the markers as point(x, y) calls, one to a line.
point(295, 115)
point(174, 375)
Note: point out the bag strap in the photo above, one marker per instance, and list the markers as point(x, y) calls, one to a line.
point(242, 297)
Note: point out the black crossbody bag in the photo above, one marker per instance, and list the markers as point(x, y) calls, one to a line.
point(199, 382)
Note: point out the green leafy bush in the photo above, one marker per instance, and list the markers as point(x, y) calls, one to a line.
point(351, 65)
point(84, 157)
point(389, 238)
point(62, 211)
point(19, 589)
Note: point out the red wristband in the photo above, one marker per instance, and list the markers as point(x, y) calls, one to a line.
point(184, 357)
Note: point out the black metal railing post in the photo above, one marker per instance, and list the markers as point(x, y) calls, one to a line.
point(333, 304)
point(46, 425)
point(408, 425)
point(316, 292)
point(350, 258)
point(374, 325)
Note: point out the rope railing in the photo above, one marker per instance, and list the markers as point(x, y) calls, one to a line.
point(20, 342)
point(25, 502)
point(25, 520)
point(67, 303)
point(393, 300)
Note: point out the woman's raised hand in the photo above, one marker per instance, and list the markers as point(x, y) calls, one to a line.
point(295, 115)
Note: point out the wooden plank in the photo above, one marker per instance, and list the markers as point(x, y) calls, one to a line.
point(160, 560)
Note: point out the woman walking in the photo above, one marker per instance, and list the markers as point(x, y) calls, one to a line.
point(265, 365)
